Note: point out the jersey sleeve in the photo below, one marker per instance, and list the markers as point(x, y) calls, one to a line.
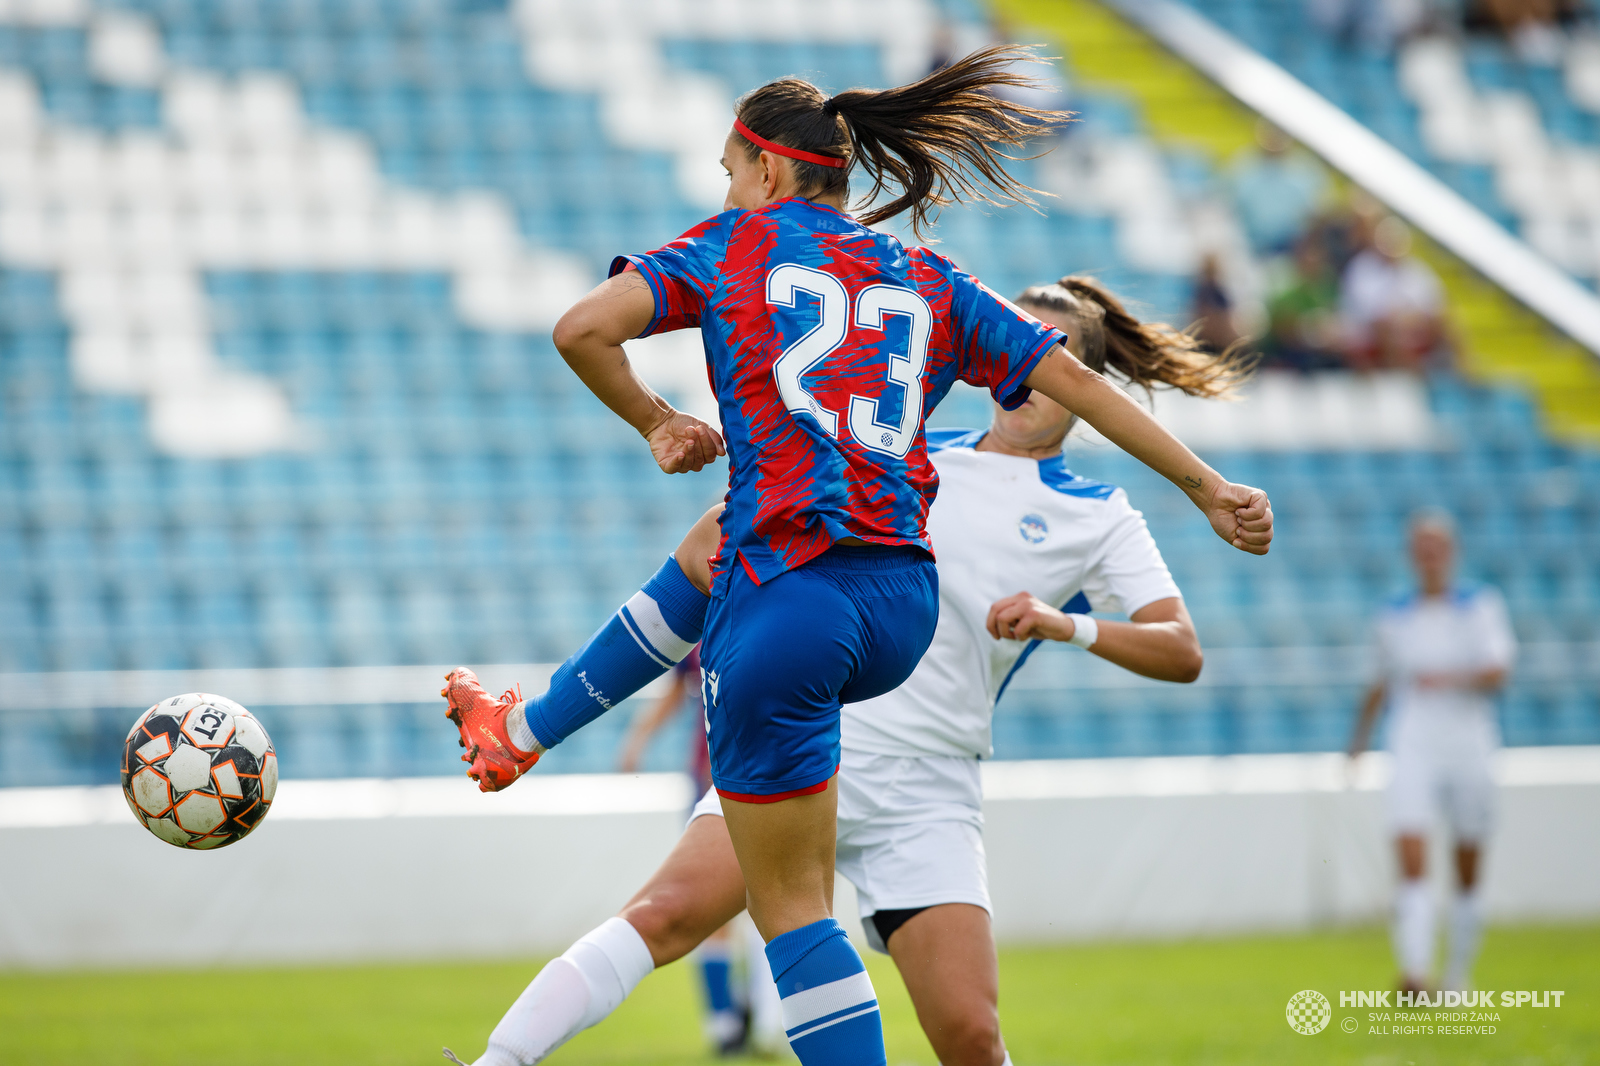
point(1128, 572)
point(999, 343)
point(682, 273)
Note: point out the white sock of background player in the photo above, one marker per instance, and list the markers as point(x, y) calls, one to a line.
point(1466, 932)
point(766, 1006)
point(570, 994)
point(1413, 929)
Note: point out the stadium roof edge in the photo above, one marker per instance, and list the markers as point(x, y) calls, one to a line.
point(1374, 164)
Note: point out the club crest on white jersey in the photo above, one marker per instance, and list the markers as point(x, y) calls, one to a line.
point(1033, 528)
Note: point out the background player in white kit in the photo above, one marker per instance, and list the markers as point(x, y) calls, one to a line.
point(1443, 654)
point(1009, 515)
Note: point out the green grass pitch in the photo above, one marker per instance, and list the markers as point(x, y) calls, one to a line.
point(1217, 1001)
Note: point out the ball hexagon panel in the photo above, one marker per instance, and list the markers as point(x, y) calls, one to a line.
point(269, 778)
point(227, 781)
point(155, 749)
point(168, 830)
point(151, 792)
point(249, 735)
point(199, 813)
point(188, 768)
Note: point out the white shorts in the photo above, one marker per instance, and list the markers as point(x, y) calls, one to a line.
point(910, 832)
point(1428, 783)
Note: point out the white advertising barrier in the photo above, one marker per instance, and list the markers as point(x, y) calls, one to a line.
point(362, 869)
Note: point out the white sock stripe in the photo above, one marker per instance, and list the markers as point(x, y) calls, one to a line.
point(801, 1008)
point(803, 1031)
point(644, 645)
point(653, 626)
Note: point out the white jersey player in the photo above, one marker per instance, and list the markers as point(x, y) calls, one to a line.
point(1443, 653)
point(1009, 516)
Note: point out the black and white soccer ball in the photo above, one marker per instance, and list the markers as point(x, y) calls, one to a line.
point(199, 771)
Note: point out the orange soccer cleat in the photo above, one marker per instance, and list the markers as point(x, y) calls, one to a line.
point(494, 762)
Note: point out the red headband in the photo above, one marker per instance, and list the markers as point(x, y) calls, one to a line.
point(792, 153)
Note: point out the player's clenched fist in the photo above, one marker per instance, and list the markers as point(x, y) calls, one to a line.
point(682, 443)
point(1242, 516)
point(1027, 617)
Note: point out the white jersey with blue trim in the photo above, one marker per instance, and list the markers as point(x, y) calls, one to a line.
point(1002, 525)
point(1463, 632)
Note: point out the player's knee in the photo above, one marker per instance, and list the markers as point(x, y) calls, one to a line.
point(971, 1038)
point(667, 923)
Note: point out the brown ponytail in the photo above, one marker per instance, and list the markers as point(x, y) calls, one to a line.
point(1143, 353)
point(935, 139)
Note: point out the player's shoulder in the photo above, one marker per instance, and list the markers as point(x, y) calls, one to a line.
point(1055, 475)
point(929, 259)
point(1400, 604)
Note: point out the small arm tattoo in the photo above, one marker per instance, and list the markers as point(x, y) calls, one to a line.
point(1192, 482)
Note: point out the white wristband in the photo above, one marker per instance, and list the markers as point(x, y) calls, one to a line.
point(1085, 630)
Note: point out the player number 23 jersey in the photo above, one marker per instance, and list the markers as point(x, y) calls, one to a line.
point(827, 343)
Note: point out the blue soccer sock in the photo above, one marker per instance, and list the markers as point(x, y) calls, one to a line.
point(830, 1012)
point(647, 636)
point(724, 1020)
point(714, 971)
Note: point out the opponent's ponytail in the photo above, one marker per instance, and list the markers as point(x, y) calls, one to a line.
point(1147, 354)
point(936, 140)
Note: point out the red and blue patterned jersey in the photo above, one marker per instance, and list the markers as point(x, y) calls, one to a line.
point(827, 344)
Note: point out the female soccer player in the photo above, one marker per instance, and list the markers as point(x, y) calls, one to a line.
point(1443, 654)
point(827, 343)
point(1008, 516)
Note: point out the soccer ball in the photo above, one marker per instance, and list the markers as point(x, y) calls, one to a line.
point(199, 771)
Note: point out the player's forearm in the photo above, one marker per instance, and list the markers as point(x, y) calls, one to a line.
point(1166, 651)
point(589, 337)
point(1123, 422)
point(605, 369)
point(1365, 719)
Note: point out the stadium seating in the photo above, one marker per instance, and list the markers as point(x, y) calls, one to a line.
point(1519, 139)
point(431, 484)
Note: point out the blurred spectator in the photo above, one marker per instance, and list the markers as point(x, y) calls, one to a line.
point(1529, 25)
point(1303, 312)
point(1276, 190)
point(1374, 24)
point(1212, 310)
point(1391, 306)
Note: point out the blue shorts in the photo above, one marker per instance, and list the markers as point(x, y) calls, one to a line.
point(779, 658)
